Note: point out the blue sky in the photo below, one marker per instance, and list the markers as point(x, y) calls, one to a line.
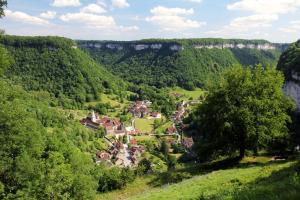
point(274, 20)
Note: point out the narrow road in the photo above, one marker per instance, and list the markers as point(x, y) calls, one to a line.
point(127, 157)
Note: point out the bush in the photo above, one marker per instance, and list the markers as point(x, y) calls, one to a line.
point(173, 177)
point(114, 178)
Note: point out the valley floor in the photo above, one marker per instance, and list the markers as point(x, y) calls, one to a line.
point(257, 180)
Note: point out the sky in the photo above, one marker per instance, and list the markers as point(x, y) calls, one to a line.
point(273, 20)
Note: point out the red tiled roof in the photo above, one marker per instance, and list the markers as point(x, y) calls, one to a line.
point(171, 130)
point(188, 142)
point(133, 142)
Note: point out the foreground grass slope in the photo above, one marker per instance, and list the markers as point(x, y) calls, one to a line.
point(264, 181)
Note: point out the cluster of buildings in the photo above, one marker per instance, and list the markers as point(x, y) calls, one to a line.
point(178, 115)
point(186, 142)
point(120, 154)
point(111, 126)
point(140, 109)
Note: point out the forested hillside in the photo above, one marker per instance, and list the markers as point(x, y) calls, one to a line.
point(289, 61)
point(185, 63)
point(54, 64)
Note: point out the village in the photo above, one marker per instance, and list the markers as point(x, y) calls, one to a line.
point(124, 150)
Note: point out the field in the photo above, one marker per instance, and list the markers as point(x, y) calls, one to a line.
point(145, 138)
point(114, 102)
point(144, 125)
point(251, 179)
point(186, 94)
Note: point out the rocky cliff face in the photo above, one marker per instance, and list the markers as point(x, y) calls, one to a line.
point(292, 89)
point(177, 46)
point(289, 64)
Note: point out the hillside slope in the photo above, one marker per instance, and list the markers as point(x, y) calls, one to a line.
point(186, 63)
point(56, 65)
point(257, 182)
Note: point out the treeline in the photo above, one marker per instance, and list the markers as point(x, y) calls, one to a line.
point(188, 68)
point(184, 42)
point(51, 64)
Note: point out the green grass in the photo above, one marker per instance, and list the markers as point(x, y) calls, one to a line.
point(195, 94)
point(265, 181)
point(114, 102)
point(140, 185)
point(144, 125)
point(144, 138)
point(253, 178)
point(164, 126)
point(77, 114)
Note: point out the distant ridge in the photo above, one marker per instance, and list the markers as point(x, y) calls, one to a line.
point(187, 63)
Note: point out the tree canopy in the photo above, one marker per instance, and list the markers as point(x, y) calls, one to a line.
point(289, 61)
point(3, 3)
point(246, 110)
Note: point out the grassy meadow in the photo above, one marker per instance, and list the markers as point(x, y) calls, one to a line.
point(144, 125)
point(252, 178)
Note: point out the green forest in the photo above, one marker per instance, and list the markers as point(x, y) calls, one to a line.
point(54, 64)
point(188, 68)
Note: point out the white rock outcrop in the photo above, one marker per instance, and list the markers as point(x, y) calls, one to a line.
point(176, 47)
point(266, 47)
point(236, 46)
point(140, 47)
point(292, 89)
point(98, 46)
point(114, 46)
point(156, 46)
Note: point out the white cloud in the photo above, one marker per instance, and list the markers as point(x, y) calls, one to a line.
point(48, 15)
point(66, 3)
point(266, 6)
point(120, 3)
point(264, 13)
point(195, 1)
point(293, 27)
point(91, 20)
point(243, 26)
point(93, 8)
point(253, 21)
point(164, 11)
point(25, 18)
point(129, 28)
point(102, 3)
point(94, 21)
point(171, 19)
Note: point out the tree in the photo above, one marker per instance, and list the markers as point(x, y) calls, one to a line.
point(164, 148)
point(125, 139)
point(5, 60)
point(157, 123)
point(171, 162)
point(246, 110)
point(3, 3)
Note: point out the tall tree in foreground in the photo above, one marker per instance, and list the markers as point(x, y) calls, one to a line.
point(246, 110)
